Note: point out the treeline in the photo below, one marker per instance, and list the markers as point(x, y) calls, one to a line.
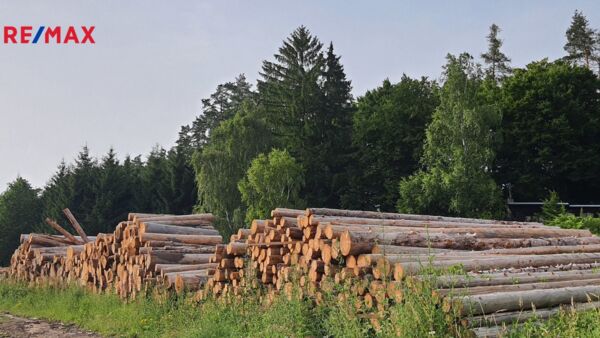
point(459, 146)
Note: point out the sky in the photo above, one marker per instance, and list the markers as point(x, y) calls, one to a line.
point(154, 61)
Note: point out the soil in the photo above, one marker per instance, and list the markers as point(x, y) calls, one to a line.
point(17, 327)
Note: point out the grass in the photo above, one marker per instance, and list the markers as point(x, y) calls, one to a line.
point(162, 315)
point(170, 316)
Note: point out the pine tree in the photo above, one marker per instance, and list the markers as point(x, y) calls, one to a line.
point(582, 41)
point(220, 106)
point(498, 62)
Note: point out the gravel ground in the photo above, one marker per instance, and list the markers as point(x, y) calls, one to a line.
point(17, 327)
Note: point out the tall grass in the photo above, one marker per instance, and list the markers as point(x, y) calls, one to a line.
point(166, 315)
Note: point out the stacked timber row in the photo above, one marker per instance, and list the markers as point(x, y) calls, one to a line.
point(171, 250)
point(273, 246)
point(385, 252)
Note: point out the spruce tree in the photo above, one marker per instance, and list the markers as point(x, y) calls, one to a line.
point(306, 99)
point(582, 41)
point(20, 212)
point(85, 189)
point(112, 196)
point(181, 175)
point(58, 192)
point(498, 63)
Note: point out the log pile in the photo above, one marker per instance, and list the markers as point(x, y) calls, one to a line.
point(507, 269)
point(513, 267)
point(168, 250)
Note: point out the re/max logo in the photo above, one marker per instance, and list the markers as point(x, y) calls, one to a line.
point(48, 35)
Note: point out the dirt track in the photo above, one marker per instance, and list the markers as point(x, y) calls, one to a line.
point(17, 327)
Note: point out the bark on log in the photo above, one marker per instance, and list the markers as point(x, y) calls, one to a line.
point(75, 224)
point(189, 239)
point(479, 280)
point(334, 230)
point(508, 318)
point(386, 215)
point(517, 287)
point(521, 300)
point(165, 257)
point(63, 232)
point(285, 212)
point(174, 229)
point(412, 268)
point(357, 243)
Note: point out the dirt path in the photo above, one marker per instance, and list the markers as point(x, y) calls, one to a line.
point(17, 327)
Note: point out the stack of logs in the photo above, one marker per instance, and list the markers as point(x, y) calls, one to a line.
point(507, 269)
point(513, 267)
point(173, 251)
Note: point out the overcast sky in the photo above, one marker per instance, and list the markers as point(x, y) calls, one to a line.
point(154, 61)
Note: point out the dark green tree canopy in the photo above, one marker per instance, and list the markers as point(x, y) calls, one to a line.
point(551, 132)
point(20, 212)
point(307, 101)
point(388, 133)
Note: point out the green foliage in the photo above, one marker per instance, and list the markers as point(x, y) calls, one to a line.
point(223, 162)
point(570, 221)
point(552, 207)
point(101, 193)
point(307, 103)
point(20, 211)
point(551, 132)
point(582, 41)
point(498, 63)
point(388, 133)
point(220, 106)
point(273, 180)
point(458, 151)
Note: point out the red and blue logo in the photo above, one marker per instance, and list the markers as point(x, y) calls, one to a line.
point(13, 35)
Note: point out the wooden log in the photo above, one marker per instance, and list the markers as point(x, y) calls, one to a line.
point(63, 232)
point(285, 212)
point(173, 268)
point(411, 268)
point(508, 318)
point(395, 249)
point(517, 287)
point(47, 240)
point(334, 230)
point(386, 215)
point(544, 250)
point(75, 224)
point(158, 218)
point(179, 249)
point(507, 278)
point(174, 229)
point(358, 243)
point(189, 239)
point(521, 300)
point(166, 257)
